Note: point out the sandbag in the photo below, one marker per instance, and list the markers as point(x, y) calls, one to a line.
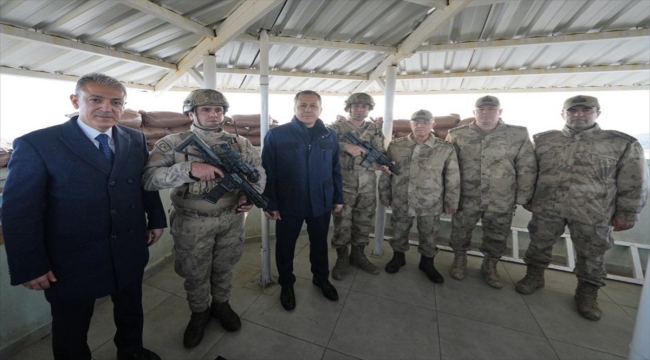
point(131, 118)
point(402, 125)
point(466, 121)
point(155, 132)
point(445, 121)
point(5, 155)
point(251, 121)
point(178, 129)
point(164, 119)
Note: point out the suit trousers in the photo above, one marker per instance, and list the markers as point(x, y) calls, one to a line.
point(287, 231)
point(71, 321)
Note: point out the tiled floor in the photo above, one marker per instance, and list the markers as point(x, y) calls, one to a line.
point(385, 316)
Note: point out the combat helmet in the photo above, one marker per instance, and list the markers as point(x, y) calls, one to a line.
point(357, 98)
point(204, 97)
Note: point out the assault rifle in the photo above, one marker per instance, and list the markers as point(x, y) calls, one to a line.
point(372, 154)
point(235, 169)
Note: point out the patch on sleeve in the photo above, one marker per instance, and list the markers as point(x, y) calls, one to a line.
point(163, 146)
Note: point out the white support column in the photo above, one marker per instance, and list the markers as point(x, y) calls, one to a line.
point(265, 250)
point(640, 346)
point(209, 72)
point(387, 129)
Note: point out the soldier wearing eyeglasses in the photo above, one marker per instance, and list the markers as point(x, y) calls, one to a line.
point(591, 180)
point(428, 184)
point(497, 171)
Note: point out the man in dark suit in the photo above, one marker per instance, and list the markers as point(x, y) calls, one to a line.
point(304, 185)
point(74, 219)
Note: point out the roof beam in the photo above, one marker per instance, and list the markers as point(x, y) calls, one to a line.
point(246, 14)
point(424, 31)
point(296, 74)
point(59, 42)
point(52, 76)
point(430, 3)
point(537, 41)
point(321, 44)
point(528, 72)
point(169, 16)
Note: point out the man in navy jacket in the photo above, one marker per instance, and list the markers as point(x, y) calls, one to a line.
point(74, 219)
point(303, 184)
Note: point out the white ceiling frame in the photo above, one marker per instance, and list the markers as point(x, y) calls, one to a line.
point(520, 90)
point(430, 3)
point(424, 31)
point(169, 16)
point(537, 41)
point(315, 43)
point(246, 14)
point(528, 72)
point(59, 42)
point(196, 75)
point(52, 76)
point(295, 74)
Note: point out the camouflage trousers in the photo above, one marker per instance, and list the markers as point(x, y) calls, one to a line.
point(496, 228)
point(206, 249)
point(356, 221)
point(590, 243)
point(428, 228)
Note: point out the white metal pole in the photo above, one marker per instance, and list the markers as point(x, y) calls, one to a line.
point(387, 129)
point(265, 250)
point(640, 346)
point(209, 72)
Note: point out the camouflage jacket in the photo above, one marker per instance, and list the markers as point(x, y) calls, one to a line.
point(167, 168)
point(429, 180)
point(356, 178)
point(590, 176)
point(497, 169)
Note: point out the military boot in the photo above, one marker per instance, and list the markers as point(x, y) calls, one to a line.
point(533, 280)
point(396, 262)
point(342, 262)
point(459, 266)
point(426, 265)
point(586, 299)
point(489, 270)
point(359, 259)
point(196, 328)
point(226, 315)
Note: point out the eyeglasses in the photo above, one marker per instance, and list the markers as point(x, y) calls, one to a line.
point(423, 122)
point(583, 109)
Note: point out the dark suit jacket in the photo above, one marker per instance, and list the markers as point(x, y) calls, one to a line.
point(66, 209)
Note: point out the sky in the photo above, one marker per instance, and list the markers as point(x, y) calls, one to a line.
point(28, 104)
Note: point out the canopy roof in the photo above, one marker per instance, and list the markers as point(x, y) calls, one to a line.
point(335, 46)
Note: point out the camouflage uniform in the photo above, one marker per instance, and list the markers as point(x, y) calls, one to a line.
point(422, 190)
point(585, 179)
point(356, 221)
point(208, 238)
point(498, 170)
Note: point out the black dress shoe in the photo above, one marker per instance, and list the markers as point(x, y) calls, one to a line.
point(287, 298)
point(329, 291)
point(143, 354)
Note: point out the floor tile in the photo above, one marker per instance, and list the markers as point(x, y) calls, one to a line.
point(558, 317)
point(573, 352)
point(163, 333)
point(41, 350)
point(334, 355)
point(409, 285)
point(312, 320)
point(632, 311)
point(371, 327)
point(166, 279)
point(257, 342)
point(472, 298)
point(462, 338)
point(622, 293)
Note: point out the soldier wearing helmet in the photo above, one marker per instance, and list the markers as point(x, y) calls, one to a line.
point(208, 238)
point(353, 225)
